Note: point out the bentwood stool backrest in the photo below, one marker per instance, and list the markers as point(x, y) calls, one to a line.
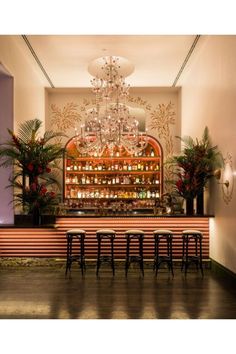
point(192, 249)
point(163, 238)
point(72, 236)
point(104, 236)
point(132, 255)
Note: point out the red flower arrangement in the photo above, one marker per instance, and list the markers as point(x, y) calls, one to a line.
point(34, 159)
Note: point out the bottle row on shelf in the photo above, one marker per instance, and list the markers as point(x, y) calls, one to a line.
point(121, 152)
point(112, 166)
point(106, 193)
point(112, 180)
point(115, 206)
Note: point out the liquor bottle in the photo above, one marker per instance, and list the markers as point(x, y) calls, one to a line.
point(95, 179)
point(68, 165)
point(152, 154)
point(99, 167)
point(137, 180)
point(103, 167)
point(143, 179)
point(79, 167)
point(86, 166)
point(117, 179)
point(116, 166)
point(113, 181)
point(75, 166)
point(146, 166)
point(87, 180)
point(139, 166)
point(125, 167)
point(83, 179)
point(135, 166)
point(157, 167)
point(120, 167)
point(129, 167)
point(144, 194)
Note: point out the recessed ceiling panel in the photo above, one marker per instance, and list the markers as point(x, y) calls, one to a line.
point(156, 59)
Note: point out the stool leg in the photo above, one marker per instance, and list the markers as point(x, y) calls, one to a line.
point(98, 256)
point(141, 254)
point(112, 257)
point(186, 253)
point(183, 254)
point(127, 256)
point(200, 241)
point(170, 255)
point(82, 255)
point(69, 253)
point(157, 255)
point(196, 252)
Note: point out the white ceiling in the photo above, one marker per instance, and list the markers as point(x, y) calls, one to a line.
point(157, 59)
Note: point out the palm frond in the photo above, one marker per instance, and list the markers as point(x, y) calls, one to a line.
point(49, 135)
point(28, 130)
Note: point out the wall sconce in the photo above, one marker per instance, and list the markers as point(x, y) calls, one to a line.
point(227, 176)
point(217, 174)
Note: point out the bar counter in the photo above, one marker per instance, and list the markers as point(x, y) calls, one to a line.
point(50, 241)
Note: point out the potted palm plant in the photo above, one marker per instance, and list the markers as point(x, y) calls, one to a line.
point(194, 166)
point(35, 160)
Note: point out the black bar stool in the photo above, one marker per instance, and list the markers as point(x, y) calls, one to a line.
point(165, 236)
point(139, 236)
point(79, 235)
point(104, 234)
point(189, 237)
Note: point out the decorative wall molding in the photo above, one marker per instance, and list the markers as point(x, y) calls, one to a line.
point(65, 118)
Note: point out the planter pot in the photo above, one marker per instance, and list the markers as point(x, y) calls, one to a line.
point(189, 206)
point(200, 202)
point(36, 217)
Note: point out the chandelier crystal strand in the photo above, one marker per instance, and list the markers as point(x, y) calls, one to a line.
point(109, 125)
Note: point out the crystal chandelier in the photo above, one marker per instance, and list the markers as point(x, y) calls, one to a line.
point(109, 125)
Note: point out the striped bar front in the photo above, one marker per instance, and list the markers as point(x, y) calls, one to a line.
point(47, 242)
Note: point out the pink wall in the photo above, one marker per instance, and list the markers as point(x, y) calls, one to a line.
point(6, 121)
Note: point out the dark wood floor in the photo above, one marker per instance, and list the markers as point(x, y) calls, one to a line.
point(44, 293)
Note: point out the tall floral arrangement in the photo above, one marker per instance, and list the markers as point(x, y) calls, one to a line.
point(195, 165)
point(35, 160)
